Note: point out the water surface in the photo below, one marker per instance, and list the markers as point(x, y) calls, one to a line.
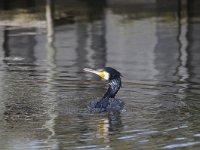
point(44, 90)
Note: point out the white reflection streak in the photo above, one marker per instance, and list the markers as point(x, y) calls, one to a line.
point(183, 39)
point(51, 56)
point(90, 52)
point(49, 21)
point(51, 102)
point(182, 70)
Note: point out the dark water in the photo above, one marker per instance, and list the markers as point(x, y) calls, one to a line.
point(44, 90)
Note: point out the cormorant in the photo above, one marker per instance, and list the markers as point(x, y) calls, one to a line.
point(108, 102)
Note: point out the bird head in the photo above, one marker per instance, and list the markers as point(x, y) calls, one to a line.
point(106, 73)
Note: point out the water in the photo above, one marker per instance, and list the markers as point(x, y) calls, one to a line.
point(44, 90)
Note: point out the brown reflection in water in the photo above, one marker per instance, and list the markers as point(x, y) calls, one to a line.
point(178, 62)
point(26, 107)
point(19, 45)
point(193, 37)
point(20, 95)
point(171, 57)
point(91, 45)
point(19, 55)
point(166, 54)
point(9, 4)
point(91, 42)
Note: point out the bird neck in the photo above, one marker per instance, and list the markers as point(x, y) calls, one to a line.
point(114, 86)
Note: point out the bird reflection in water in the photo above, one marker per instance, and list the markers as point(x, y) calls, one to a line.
point(108, 124)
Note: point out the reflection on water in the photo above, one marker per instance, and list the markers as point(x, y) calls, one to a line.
point(44, 91)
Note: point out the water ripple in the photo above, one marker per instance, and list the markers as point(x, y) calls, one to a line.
point(172, 146)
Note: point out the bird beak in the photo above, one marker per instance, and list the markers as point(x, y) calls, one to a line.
point(97, 72)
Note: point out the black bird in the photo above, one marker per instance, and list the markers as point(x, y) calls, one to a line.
point(108, 102)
